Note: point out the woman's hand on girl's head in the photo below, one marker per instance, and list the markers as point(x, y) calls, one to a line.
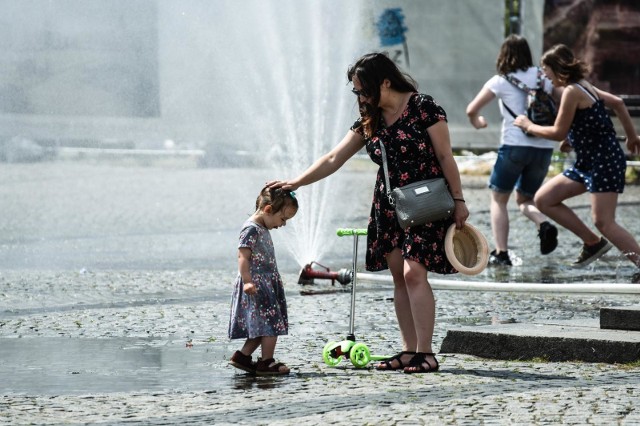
point(275, 184)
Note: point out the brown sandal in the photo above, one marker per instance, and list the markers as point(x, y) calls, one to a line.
point(269, 367)
point(243, 362)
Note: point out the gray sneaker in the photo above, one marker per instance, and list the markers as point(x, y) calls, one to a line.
point(591, 253)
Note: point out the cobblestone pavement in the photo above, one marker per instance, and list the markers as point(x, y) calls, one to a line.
point(114, 308)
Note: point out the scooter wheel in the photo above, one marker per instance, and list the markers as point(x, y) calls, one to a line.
point(329, 359)
point(360, 355)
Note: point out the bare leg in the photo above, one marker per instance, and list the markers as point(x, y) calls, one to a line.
point(268, 346)
point(604, 217)
point(402, 306)
point(250, 345)
point(423, 308)
point(423, 304)
point(549, 200)
point(529, 209)
point(500, 219)
point(401, 301)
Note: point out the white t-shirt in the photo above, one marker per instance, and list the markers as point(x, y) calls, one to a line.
point(516, 99)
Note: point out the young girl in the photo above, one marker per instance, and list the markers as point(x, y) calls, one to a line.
point(600, 162)
point(258, 305)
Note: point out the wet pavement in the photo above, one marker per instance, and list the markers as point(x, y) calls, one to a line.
point(114, 303)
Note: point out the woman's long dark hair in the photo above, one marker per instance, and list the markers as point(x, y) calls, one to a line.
point(372, 69)
point(567, 68)
point(514, 55)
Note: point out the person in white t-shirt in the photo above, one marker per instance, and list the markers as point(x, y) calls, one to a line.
point(523, 161)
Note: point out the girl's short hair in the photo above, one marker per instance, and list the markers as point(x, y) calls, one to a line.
point(277, 198)
point(567, 68)
point(514, 55)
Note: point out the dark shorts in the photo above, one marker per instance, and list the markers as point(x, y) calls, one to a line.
point(520, 167)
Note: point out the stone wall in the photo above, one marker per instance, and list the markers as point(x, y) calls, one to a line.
point(604, 33)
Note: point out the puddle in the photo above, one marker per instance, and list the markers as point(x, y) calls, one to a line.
point(56, 366)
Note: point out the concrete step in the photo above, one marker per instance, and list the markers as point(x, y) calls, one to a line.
point(552, 342)
point(620, 318)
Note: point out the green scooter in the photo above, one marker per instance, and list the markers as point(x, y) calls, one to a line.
point(359, 353)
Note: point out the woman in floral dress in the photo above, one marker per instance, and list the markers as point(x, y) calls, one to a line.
point(414, 131)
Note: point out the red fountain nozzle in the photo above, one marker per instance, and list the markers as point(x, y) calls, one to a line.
point(307, 274)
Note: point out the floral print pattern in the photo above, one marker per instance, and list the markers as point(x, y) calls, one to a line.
point(264, 313)
point(600, 162)
point(410, 158)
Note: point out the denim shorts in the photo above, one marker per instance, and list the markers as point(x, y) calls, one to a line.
point(522, 167)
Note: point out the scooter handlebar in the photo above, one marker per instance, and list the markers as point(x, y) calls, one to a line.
point(342, 232)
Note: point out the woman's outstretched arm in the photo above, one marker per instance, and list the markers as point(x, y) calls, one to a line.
point(325, 165)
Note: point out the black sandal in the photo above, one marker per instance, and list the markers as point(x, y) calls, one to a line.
point(417, 364)
point(243, 362)
point(385, 364)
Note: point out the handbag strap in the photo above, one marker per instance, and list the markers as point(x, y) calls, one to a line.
point(386, 174)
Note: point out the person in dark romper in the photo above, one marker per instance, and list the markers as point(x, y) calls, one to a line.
point(415, 134)
point(584, 125)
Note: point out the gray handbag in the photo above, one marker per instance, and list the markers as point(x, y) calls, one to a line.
point(419, 202)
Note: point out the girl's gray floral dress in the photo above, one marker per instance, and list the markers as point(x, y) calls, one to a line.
point(264, 313)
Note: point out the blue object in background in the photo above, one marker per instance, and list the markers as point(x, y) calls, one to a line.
point(391, 27)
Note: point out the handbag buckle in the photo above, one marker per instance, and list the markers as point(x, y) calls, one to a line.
point(392, 201)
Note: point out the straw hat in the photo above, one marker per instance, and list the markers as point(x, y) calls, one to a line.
point(467, 249)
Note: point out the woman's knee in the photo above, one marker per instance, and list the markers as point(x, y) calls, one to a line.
point(524, 203)
point(414, 273)
point(396, 266)
point(603, 225)
point(541, 201)
point(523, 199)
point(500, 198)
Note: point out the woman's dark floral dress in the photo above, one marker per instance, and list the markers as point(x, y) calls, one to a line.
point(410, 157)
point(263, 313)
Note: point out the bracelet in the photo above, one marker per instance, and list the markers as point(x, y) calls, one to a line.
point(459, 199)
